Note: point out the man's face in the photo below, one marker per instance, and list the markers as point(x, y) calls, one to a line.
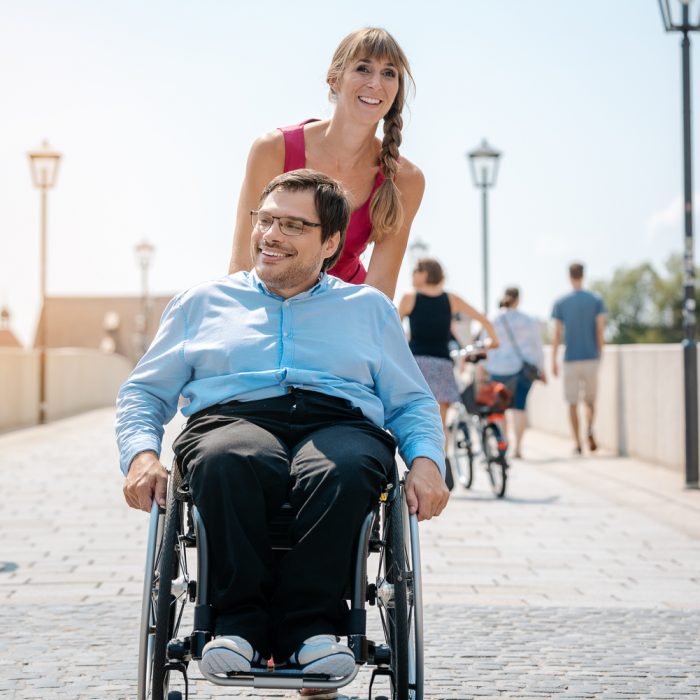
point(289, 265)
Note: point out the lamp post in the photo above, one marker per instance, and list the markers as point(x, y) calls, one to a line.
point(44, 168)
point(677, 17)
point(483, 162)
point(144, 256)
point(418, 249)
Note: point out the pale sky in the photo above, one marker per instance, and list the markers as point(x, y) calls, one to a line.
point(155, 104)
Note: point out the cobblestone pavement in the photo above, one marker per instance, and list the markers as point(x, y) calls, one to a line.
point(583, 583)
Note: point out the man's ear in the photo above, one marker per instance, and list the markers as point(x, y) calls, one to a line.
point(330, 245)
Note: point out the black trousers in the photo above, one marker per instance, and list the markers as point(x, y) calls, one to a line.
point(243, 461)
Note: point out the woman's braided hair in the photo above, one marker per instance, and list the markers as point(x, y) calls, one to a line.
point(386, 209)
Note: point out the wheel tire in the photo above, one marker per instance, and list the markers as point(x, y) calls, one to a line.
point(462, 454)
point(395, 574)
point(496, 462)
point(165, 608)
point(449, 477)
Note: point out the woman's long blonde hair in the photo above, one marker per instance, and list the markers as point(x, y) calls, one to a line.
point(386, 210)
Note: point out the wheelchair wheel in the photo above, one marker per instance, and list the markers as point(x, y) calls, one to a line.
point(462, 453)
point(496, 462)
point(147, 634)
point(401, 600)
point(167, 595)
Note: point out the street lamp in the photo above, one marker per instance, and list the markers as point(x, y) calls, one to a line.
point(44, 168)
point(144, 256)
point(418, 249)
point(483, 162)
point(677, 17)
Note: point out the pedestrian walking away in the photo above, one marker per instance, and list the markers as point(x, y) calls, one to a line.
point(579, 317)
point(368, 79)
point(518, 361)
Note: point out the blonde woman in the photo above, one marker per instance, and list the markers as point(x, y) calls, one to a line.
point(368, 77)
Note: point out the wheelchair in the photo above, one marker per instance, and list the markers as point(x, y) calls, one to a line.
point(172, 583)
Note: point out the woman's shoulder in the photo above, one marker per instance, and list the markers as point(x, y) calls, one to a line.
point(407, 303)
point(267, 153)
point(269, 145)
point(409, 176)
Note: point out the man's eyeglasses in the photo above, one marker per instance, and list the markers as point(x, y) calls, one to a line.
point(288, 226)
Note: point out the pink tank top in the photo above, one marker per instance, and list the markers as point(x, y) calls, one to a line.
point(349, 267)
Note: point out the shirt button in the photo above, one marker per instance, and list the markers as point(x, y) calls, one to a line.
point(285, 334)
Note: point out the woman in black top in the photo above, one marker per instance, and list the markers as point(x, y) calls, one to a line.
point(430, 311)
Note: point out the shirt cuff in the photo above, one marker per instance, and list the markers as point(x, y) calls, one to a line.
point(428, 451)
point(136, 446)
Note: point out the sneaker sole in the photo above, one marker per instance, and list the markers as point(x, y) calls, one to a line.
point(336, 665)
point(224, 660)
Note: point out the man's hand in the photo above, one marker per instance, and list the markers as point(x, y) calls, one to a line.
point(426, 493)
point(147, 478)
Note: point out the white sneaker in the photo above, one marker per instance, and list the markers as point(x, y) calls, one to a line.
point(323, 654)
point(227, 654)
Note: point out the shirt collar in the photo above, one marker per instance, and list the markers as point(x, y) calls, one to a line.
point(318, 288)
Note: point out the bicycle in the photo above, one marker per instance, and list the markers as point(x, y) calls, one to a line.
point(479, 412)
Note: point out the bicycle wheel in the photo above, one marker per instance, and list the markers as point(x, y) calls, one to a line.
point(401, 601)
point(463, 454)
point(169, 592)
point(496, 462)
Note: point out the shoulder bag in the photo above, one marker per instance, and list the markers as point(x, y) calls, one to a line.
point(529, 371)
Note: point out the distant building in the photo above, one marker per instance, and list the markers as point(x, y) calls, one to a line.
point(113, 324)
point(7, 338)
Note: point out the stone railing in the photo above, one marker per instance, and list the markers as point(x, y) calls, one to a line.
point(640, 406)
point(77, 379)
point(639, 409)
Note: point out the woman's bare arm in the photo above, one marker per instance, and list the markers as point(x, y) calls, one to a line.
point(408, 301)
point(387, 256)
point(458, 304)
point(265, 161)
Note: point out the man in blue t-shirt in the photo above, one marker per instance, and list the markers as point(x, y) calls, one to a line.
point(581, 314)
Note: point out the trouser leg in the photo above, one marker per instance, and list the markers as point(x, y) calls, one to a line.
point(573, 419)
point(239, 477)
point(337, 475)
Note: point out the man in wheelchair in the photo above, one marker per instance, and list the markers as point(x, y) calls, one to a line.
point(291, 380)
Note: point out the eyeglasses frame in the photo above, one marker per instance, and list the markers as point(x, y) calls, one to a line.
point(304, 223)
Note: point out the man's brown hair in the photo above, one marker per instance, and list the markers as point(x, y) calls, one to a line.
point(331, 203)
point(576, 271)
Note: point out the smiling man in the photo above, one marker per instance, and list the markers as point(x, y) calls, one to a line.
point(291, 380)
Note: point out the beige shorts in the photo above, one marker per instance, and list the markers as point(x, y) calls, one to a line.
point(581, 378)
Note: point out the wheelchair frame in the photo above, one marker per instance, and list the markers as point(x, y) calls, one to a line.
point(168, 587)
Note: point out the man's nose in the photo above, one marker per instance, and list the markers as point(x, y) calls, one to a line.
point(274, 233)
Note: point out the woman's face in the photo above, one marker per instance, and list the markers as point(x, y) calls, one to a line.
point(420, 277)
point(367, 88)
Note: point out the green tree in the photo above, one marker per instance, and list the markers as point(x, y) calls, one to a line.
point(643, 305)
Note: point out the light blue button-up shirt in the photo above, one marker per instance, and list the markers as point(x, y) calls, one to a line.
point(232, 339)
